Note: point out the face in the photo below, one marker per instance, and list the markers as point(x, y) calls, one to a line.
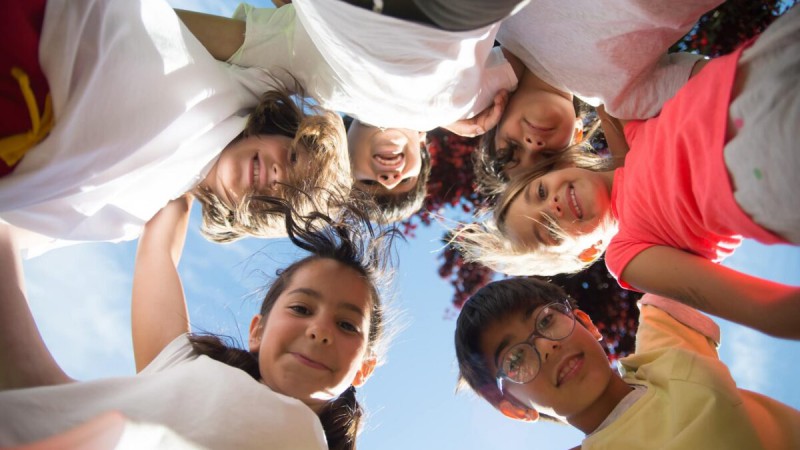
point(384, 160)
point(255, 164)
point(574, 371)
point(313, 344)
point(576, 199)
point(535, 124)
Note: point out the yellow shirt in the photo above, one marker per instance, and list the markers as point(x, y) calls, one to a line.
point(692, 401)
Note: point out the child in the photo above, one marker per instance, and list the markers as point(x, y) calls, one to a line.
point(677, 210)
point(523, 348)
point(398, 79)
point(143, 114)
point(610, 52)
point(317, 336)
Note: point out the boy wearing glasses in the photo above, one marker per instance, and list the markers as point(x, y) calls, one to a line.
point(522, 347)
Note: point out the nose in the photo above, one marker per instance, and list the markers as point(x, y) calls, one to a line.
point(389, 179)
point(277, 175)
point(319, 333)
point(535, 143)
point(556, 206)
point(546, 347)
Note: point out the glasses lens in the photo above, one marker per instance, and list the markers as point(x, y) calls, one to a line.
point(521, 363)
point(555, 321)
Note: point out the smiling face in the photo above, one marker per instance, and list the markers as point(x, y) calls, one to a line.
point(255, 164)
point(314, 342)
point(575, 200)
point(536, 124)
point(384, 160)
point(574, 371)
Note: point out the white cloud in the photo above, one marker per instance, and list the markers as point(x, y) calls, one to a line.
point(80, 298)
point(746, 352)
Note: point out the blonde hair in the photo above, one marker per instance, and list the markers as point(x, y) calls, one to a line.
point(486, 242)
point(318, 131)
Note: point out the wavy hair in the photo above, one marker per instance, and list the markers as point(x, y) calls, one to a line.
point(350, 239)
point(312, 129)
point(486, 242)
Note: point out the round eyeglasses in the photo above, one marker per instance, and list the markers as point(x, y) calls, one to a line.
point(521, 362)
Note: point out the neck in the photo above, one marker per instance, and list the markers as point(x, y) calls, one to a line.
point(589, 419)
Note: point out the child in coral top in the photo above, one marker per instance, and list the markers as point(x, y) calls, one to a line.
point(717, 165)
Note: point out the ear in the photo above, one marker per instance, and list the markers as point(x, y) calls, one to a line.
point(587, 323)
point(367, 366)
point(256, 330)
point(592, 253)
point(577, 133)
point(513, 411)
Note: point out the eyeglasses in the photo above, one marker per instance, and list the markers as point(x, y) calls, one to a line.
point(521, 362)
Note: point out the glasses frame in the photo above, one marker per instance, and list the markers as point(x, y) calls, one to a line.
point(530, 341)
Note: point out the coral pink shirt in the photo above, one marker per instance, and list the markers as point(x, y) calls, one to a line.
point(675, 189)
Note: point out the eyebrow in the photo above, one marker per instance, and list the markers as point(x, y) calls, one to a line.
point(317, 295)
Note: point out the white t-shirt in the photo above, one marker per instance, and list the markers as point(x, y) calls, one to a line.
point(610, 52)
point(383, 71)
point(205, 401)
point(142, 110)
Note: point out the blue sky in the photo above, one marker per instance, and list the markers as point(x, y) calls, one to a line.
point(80, 297)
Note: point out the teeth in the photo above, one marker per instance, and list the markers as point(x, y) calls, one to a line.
point(575, 203)
point(389, 159)
point(256, 170)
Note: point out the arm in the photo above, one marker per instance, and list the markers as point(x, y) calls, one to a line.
point(221, 36)
point(613, 131)
point(158, 309)
point(770, 307)
point(25, 360)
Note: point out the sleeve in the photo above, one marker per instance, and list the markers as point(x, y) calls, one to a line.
point(621, 251)
point(645, 96)
point(178, 351)
point(665, 323)
point(268, 38)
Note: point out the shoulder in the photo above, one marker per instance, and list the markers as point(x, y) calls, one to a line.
point(178, 351)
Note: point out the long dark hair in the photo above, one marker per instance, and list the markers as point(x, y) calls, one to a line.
point(349, 239)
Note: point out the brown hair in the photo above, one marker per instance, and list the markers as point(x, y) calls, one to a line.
point(321, 133)
point(494, 302)
point(349, 239)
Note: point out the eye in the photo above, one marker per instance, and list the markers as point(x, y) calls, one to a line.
point(513, 361)
point(541, 192)
point(293, 157)
point(544, 321)
point(368, 182)
point(300, 310)
point(349, 327)
point(405, 180)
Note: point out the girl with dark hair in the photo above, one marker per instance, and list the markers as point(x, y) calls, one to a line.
point(137, 113)
point(316, 337)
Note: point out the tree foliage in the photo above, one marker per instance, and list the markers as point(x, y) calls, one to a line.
point(452, 187)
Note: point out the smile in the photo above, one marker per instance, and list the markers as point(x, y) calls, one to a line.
point(573, 203)
point(569, 369)
point(389, 161)
point(310, 362)
point(255, 173)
